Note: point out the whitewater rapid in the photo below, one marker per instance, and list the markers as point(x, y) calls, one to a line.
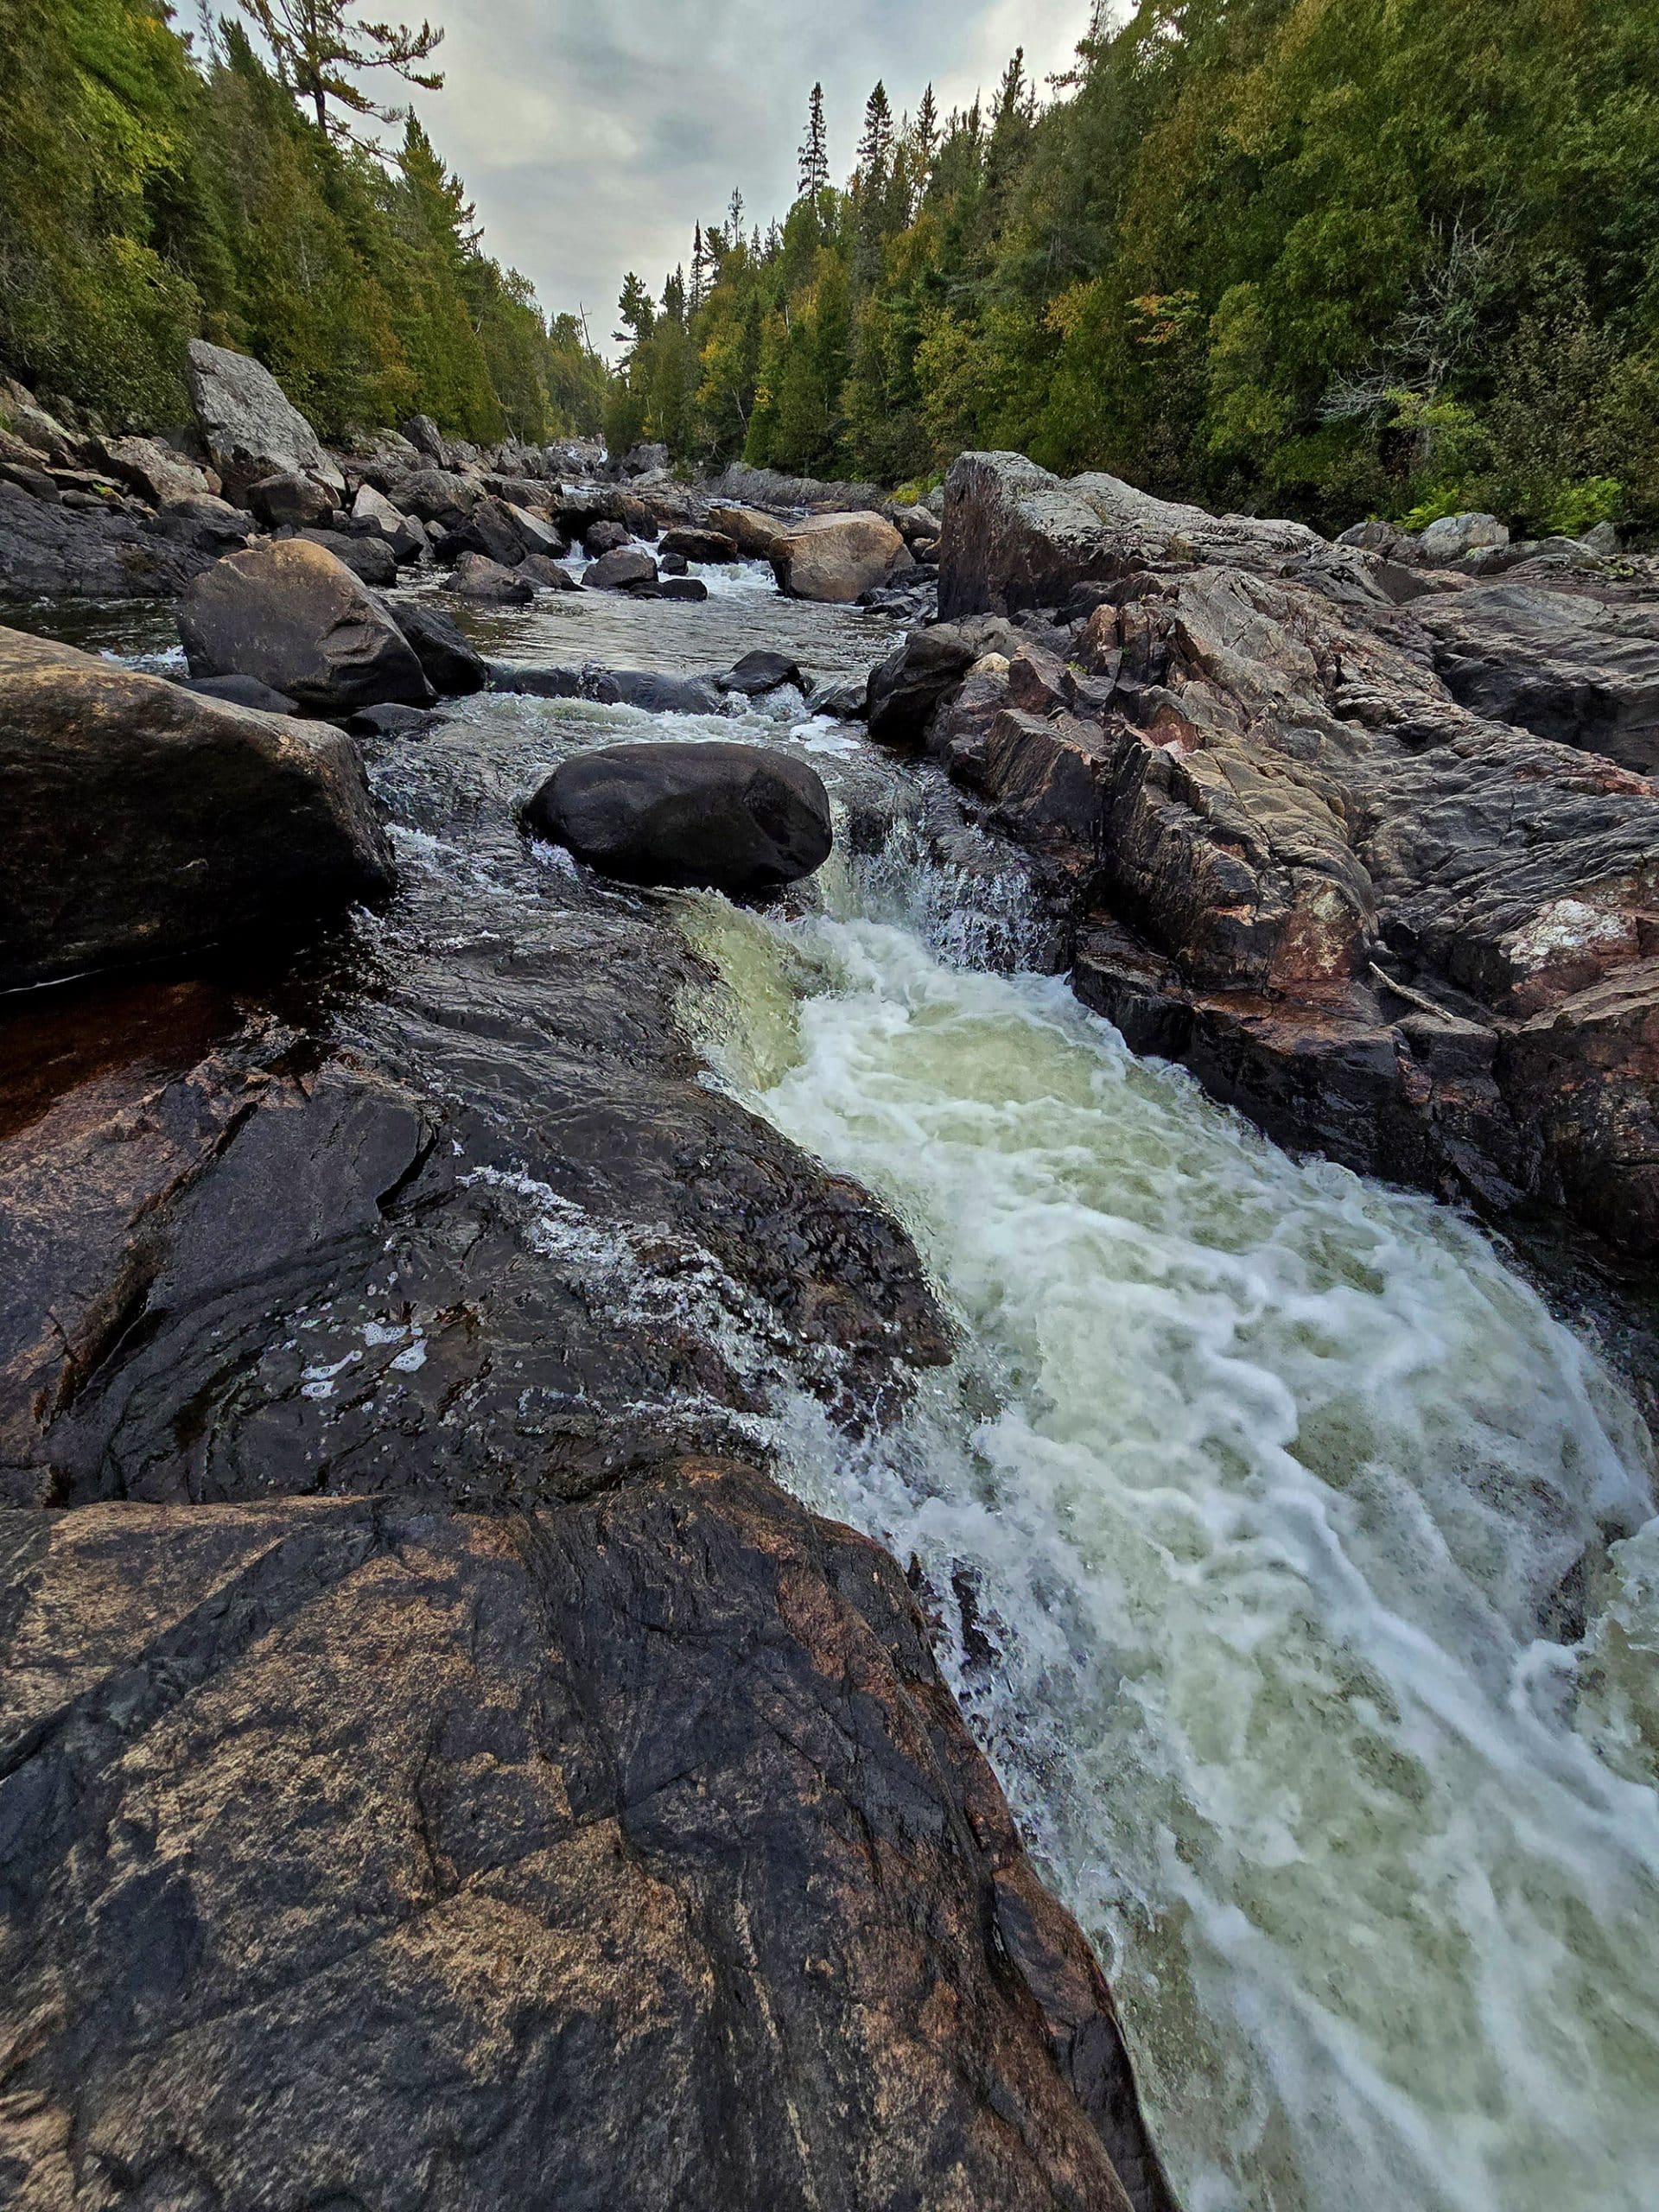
point(1259, 1514)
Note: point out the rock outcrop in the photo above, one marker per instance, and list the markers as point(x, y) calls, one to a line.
point(143, 820)
point(737, 818)
point(626, 1854)
point(296, 617)
point(50, 552)
point(1424, 941)
point(835, 557)
point(248, 425)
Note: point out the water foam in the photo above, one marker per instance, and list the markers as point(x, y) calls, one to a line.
point(1241, 1511)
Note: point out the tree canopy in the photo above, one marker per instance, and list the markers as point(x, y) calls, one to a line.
point(1328, 256)
point(156, 186)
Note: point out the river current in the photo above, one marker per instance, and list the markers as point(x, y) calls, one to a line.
point(1295, 1566)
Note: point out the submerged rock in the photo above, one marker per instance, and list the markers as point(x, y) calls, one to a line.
point(297, 619)
point(249, 425)
point(835, 557)
point(144, 820)
point(737, 818)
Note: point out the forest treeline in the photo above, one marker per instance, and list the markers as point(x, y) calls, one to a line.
point(1328, 258)
point(158, 185)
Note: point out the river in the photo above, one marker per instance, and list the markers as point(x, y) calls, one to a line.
point(1292, 1562)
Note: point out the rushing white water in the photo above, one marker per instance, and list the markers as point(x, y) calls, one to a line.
point(1243, 1504)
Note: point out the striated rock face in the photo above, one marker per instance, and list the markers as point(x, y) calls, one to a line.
point(1423, 940)
point(835, 557)
point(143, 820)
point(626, 1854)
point(294, 617)
point(1559, 664)
point(248, 424)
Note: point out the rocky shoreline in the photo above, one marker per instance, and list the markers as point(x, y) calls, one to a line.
point(435, 1759)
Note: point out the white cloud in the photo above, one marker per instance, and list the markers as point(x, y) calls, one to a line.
point(592, 134)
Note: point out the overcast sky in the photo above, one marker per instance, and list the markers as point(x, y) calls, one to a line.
point(594, 133)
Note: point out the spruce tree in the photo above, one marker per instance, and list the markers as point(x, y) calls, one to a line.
point(815, 152)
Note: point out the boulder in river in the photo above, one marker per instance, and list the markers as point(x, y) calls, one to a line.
point(248, 425)
point(451, 666)
point(546, 572)
point(604, 537)
point(625, 570)
point(292, 615)
point(692, 544)
point(691, 590)
point(476, 576)
point(754, 532)
point(143, 820)
point(439, 499)
point(206, 524)
point(758, 673)
point(738, 818)
point(837, 558)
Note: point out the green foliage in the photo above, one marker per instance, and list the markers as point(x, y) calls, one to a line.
point(150, 193)
point(1332, 256)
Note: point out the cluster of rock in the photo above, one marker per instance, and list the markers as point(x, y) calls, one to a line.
point(86, 516)
point(1373, 848)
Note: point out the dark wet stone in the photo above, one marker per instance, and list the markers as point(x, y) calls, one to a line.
point(738, 818)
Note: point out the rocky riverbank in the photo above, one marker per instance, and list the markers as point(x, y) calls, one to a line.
point(435, 1756)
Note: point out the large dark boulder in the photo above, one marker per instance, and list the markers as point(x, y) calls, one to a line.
point(604, 537)
point(297, 619)
point(692, 544)
point(737, 818)
point(757, 673)
point(248, 425)
point(451, 666)
point(143, 820)
point(439, 499)
point(476, 576)
point(624, 570)
point(906, 687)
point(205, 524)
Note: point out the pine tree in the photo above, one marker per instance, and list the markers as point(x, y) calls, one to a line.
point(315, 41)
point(815, 152)
point(927, 132)
point(875, 147)
point(699, 271)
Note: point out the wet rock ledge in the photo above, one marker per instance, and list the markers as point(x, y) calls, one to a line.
point(438, 1764)
point(1371, 845)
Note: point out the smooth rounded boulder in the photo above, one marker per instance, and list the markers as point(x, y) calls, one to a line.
point(836, 558)
point(294, 617)
point(145, 820)
point(625, 570)
point(717, 817)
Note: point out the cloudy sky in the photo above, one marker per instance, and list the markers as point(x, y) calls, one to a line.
point(594, 133)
